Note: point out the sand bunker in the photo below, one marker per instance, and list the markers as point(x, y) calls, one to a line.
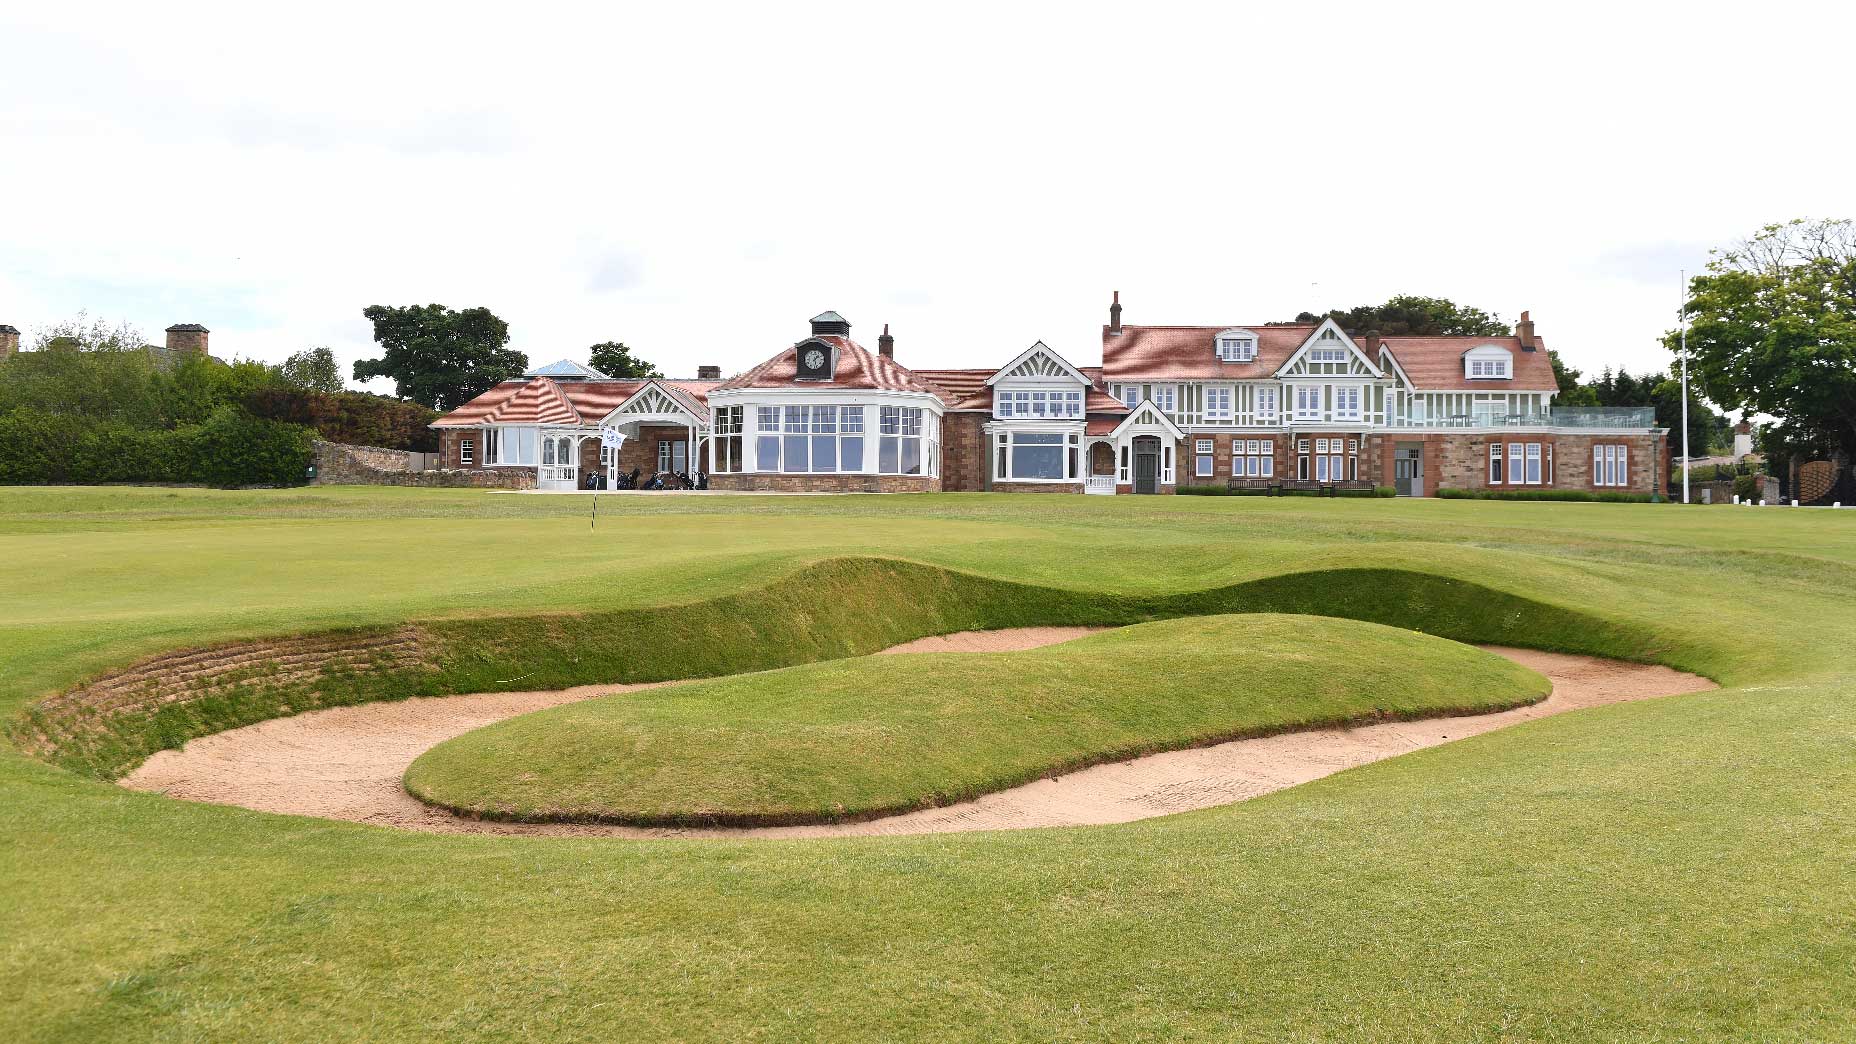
point(347, 762)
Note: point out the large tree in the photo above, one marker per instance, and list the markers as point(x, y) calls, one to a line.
point(313, 369)
point(613, 359)
point(1410, 315)
point(440, 357)
point(1773, 329)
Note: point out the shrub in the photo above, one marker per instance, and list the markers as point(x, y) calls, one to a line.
point(353, 418)
point(1746, 487)
point(1579, 495)
point(233, 448)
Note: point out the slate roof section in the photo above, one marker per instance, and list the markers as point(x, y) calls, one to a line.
point(1436, 364)
point(1186, 353)
point(858, 368)
point(586, 401)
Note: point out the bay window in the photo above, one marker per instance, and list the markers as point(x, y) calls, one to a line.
point(799, 439)
point(1047, 456)
point(511, 447)
point(899, 440)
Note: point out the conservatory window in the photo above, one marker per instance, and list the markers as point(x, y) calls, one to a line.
point(899, 440)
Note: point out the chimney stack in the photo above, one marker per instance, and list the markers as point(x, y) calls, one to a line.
point(1114, 314)
point(708, 373)
point(886, 345)
point(1372, 345)
point(830, 323)
point(187, 337)
point(1524, 332)
point(9, 341)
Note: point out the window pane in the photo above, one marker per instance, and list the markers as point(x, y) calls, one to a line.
point(851, 420)
point(851, 448)
point(1037, 461)
point(796, 455)
point(887, 453)
point(912, 456)
point(889, 419)
point(824, 453)
point(825, 420)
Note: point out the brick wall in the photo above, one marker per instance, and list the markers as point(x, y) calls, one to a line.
point(450, 448)
point(755, 482)
point(963, 452)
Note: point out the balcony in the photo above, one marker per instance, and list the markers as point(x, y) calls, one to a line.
point(1605, 417)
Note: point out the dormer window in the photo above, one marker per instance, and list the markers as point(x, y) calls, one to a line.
point(1488, 363)
point(1237, 346)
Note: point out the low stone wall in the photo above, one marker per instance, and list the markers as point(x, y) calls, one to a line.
point(338, 464)
point(757, 483)
point(1037, 487)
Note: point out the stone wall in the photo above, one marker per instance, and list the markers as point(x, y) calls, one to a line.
point(759, 483)
point(1462, 461)
point(337, 464)
point(1037, 487)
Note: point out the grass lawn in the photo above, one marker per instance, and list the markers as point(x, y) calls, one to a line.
point(879, 735)
point(1666, 870)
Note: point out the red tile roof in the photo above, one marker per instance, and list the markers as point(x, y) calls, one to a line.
point(544, 400)
point(1436, 364)
point(1166, 353)
point(858, 367)
point(963, 389)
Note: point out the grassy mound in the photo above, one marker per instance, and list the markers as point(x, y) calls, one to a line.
point(837, 608)
point(886, 734)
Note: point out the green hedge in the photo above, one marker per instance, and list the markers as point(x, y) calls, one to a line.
point(1604, 497)
point(230, 448)
point(353, 418)
point(1227, 491)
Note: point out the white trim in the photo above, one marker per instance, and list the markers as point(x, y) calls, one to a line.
point(1005, 372)
point(1156, 418)
point(1372, 368)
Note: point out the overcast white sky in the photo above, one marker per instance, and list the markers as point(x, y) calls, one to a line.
point(697, 181)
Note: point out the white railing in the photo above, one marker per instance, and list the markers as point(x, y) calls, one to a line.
point(557, 475)
point(1099, 484)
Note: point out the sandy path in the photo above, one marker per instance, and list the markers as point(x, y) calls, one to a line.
point(347, 762)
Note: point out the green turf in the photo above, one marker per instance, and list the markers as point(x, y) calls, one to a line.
point(1675, 869)
point(879, 735)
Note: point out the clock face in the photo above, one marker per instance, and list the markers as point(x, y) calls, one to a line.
point(815, 359)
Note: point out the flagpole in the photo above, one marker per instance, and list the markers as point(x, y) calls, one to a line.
point(1682, 314)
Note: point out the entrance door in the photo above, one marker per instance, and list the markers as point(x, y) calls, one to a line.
point(1408, 470)
point(1147, 464)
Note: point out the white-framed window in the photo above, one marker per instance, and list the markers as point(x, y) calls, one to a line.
point(1486, 368)
point(1253, 458)
point(1202, 458)
point(1347, 403)
point(1327, 355)
point(1610, 465)
point(801, 439)
point(1517, 468)
point(1266, 404)
point(727, 438)
point(1129, 394)
point(1166, 396)
point(467, 451)
point(512, 447)
point(900, 449)
point(1533, 463)
point(673, 455)
point(1495, 463)
point(1237, 348)
point(1061, 404)
point(1307, 402)
point(1217, 403)
point(1301, 459)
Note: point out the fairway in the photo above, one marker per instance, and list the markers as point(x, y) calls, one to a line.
point(1676, 868)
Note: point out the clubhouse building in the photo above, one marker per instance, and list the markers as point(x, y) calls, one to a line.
point(1298, 406)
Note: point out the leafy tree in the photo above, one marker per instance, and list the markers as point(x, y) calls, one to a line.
point(1572, 393)
point(312, 369)
point(1410, 315)
point(440, 357)
point(613, 359)
point(84, 334)
point(1773, 330)
point(1666, 396)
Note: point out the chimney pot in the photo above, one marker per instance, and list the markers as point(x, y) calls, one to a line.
point(187, 337)
point(708, 373)
point(1114, 314)
point(886, 345)
point(9, 341)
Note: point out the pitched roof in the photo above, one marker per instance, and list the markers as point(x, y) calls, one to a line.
point(858, 368)
point(961, 389)
point(566, 368)
point(1436, 364)
point(1187, 352)
point(585, 402)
